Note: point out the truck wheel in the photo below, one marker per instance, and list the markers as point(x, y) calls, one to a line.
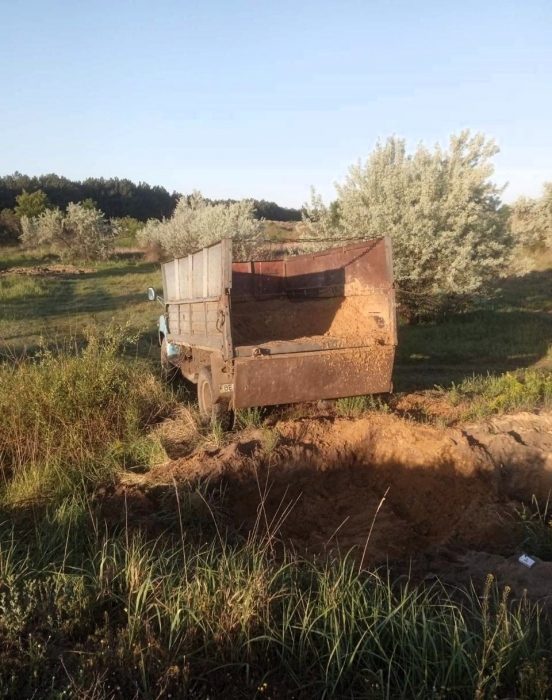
point(168, 370)
point(212, 413)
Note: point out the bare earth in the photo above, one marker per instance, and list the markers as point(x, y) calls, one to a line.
point(432, 502)
point(46, 271)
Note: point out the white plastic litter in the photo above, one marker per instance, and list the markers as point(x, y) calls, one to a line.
point(527, 561)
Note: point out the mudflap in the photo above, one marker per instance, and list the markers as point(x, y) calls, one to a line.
point(293, 378)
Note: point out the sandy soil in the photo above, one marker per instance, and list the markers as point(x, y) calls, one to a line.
point(434, 502)
point(354, 320)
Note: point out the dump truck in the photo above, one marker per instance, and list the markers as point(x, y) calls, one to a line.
point(303, 328)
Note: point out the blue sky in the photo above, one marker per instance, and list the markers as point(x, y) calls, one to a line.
point(265, 98)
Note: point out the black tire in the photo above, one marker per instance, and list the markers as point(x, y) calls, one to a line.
point(219, 412)
point(168, 370)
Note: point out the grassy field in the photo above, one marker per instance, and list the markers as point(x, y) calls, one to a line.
point(509, 332)
point(39, 307)
point(96, 603)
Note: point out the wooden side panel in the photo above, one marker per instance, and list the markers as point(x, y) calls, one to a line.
point(195, 296)
point(197, 276)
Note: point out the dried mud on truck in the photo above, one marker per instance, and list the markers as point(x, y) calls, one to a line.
point(259, 333)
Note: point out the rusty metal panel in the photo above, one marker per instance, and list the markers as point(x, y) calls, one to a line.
point(269, 277)
point(242, 279)
point(305, 376)
point(350, 267)
point(336, 271)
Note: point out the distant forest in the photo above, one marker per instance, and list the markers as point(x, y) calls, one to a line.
point(117, 197)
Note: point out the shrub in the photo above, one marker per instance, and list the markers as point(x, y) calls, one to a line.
point(450, 234)
point(128, 228)
point(197, 223)
point(82, 233)
point(10, 227)
point(532, 220)
point(31, 204)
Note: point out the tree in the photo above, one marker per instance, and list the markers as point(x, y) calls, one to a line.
point(197, 223)
point(532, 220)
point(445, 218)
point(88, 203)
point(10, 227)
point(81, 233)
point(127, 227)
point(115, 197)
point(31, 204)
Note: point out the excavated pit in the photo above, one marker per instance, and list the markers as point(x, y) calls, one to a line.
point(431, 502)
point(381, 484)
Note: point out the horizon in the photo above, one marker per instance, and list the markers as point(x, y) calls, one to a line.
point(265, 102)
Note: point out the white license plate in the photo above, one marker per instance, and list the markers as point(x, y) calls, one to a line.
point(226, 388)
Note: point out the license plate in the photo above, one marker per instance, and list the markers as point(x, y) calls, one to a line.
point(226, 388)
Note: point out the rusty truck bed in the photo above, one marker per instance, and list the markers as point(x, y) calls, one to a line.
point(308, 327)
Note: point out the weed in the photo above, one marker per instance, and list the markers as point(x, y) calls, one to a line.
point(249, 418)
point(537, 526)
point(352, 406)
point(356, 406)
point(270, 437)
point(215, 436)
point(534, 681)
point(524, 390)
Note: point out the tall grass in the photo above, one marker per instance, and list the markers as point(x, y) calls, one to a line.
point(95, 605)
point(156, 618)
point(71, 418)
point(537, 525)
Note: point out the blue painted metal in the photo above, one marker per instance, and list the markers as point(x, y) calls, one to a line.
point(172, 349)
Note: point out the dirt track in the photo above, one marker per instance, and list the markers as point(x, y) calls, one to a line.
point(440, 501)
point(46, 271)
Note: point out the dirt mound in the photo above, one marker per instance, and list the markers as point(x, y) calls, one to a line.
point(463, 569)
point(46, 271)
point(389, 488)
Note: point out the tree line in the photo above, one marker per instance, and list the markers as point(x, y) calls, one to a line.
point(117, 198)
point(453, 237)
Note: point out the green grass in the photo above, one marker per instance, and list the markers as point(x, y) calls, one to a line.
point(17, 288)
point(37, 308)
point(520, 391)
point(493, 359)
point(511, 331)
point(136, 618)
point(249, 418)
point(537, 525)
point(73, 419)
point(103, 597)
point(356, 406)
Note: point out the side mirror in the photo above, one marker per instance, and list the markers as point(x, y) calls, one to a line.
point(151, 294)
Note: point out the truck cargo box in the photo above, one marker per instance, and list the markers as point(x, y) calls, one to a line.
point(307, 327)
